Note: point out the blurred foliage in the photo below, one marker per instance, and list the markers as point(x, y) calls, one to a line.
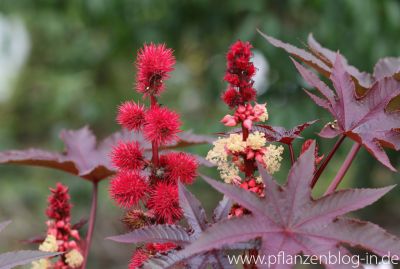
point(80, 68)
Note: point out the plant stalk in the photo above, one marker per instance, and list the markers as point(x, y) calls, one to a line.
point(92, 220)
point(292, 158)
point(154, 144)
point(327, 160)
point(343, 169)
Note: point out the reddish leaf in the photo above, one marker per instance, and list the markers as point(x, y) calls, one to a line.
point(34, 240)
point(362, 79)
point(282, 135)
point(82, 157)
point(12, 259)
point(364, 119)
point(322, 60)
point(79, 225)
point(305, 56)
point(387, 67)
point(290, 221)
point(86, 158)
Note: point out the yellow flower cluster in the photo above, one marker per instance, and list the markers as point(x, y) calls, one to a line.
point(49, 244)
point(272, 159)
point(256, 140)
point(41, 264)
point(74, 258)
point(234, 143)
point(218, 156)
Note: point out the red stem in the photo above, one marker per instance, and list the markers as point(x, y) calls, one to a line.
point(292, 159)
point(248, 164)
point(154, 144)
point(92, 220)
point(327, 160)
point(344, 168)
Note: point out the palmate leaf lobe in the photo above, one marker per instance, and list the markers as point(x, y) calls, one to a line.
point(288, 219)
point(365, 119)
point(86, 158)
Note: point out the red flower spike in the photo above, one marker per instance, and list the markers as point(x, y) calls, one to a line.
point(59, 203)
point(164, 201)
point(154, 62)
point(128, 156)
point(59, 227)
point(138, 258)
point(127, 188)
point(239, 73)
point(162, 125)
point(180, 166)
point(131, 115)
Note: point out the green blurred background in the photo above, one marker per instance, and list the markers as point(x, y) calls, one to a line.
point(64, 64)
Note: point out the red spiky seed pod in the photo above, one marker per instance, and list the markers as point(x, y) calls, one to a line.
point(127, 188)
point(131, 115)
point(164, 201)
point(154, 63)
point(136, 218)
point(128, 156)
point(160, 247)
point(162, 125)
point(138, 258)
point(180, 166)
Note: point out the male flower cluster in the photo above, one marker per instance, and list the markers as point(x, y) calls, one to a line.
point(143, 180)
point(230, 152)
point(60, 235)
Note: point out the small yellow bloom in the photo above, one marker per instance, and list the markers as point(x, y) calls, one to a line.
point(74, 258)
point(256, 140)
point(41, 264)
point(49, 244)
point(235, 143)
point(272, 158)
point(218, 156)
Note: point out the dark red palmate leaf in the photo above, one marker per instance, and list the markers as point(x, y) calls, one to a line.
point(282, 135)
point(289, 220)
point(82, 156)
point(364, 119)
point(86, 158)
point(322, 60)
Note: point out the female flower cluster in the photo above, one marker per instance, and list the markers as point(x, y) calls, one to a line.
point(150, 181)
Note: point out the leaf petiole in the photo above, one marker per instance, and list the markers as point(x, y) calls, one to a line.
point(343, 169)
point(327, 160)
